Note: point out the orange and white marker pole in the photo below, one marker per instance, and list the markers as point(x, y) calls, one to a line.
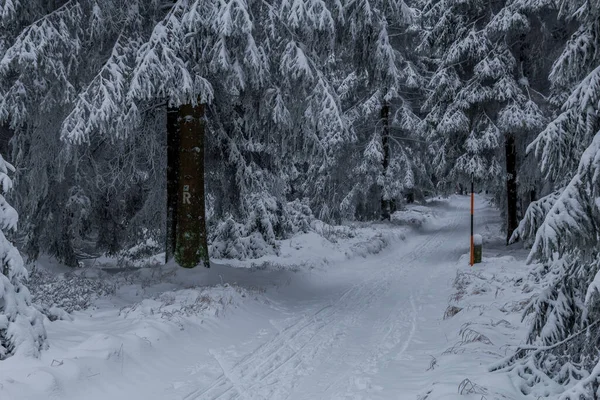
point(472, 216)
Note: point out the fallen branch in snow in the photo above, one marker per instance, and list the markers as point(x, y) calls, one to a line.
point(451, 311)
point(467, 387)
point(432, 364)
point(454, 349)
point(470, 335)
point(424, 396)
point(515, 306)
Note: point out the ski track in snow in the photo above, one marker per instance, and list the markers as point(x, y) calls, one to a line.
point(346, 336)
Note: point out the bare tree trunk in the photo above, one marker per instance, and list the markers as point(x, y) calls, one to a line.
point(191, 248)
point(511, 187)
point(173, 141)
point(386, 204)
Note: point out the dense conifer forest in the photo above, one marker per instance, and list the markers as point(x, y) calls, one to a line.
point(214, 129)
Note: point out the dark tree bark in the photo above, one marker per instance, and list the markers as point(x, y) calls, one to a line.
point(511, 187)
point(5, 135)
point(192, 247)
point(532, 196)
point(173, 139)
point(386, 204)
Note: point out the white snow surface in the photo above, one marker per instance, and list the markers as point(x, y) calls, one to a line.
point(387, 312)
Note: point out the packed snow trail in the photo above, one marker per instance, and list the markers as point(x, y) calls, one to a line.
point(364, 328)
point(343, 345)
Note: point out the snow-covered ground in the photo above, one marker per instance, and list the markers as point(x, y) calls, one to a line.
point(384, 311)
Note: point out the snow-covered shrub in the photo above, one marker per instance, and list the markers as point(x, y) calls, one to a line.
point(411, 217)
point(374, 244)
point(269, 221)
point(21, 325)
point(179, 304)
point(333, 233)
point(299, 217)
point(143, 253)
point(54, 313)
point(231, 239)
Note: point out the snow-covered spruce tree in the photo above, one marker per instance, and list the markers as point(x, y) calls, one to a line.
point(293, 142)
point(535, 38)
point(216, 53)
point(21, 325)
point(566, 312)
point(118, 44)
point(50, 49)
point(379, 81)
point(15, 65)
point(481, 107)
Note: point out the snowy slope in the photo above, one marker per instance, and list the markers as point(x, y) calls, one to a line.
point(348, 324)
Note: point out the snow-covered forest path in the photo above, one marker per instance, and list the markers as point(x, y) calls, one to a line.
point(363, 328)
point(361, 331)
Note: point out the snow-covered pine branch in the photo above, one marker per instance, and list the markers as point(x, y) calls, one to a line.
point(104, 98)
point(21, 325)
point(572, 220)
point(35, 69)
point(561, 145)
point(566, 241)
point(534, 217)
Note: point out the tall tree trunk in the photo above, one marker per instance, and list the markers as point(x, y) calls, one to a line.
point(386, 204)
point(173, 141)
point(511, 187)
point(5, 135)
point(191, 248)
point(532, 196)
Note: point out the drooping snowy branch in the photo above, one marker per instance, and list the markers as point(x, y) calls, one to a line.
point(534, 217)
point(572, 220)
point(21, 325)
